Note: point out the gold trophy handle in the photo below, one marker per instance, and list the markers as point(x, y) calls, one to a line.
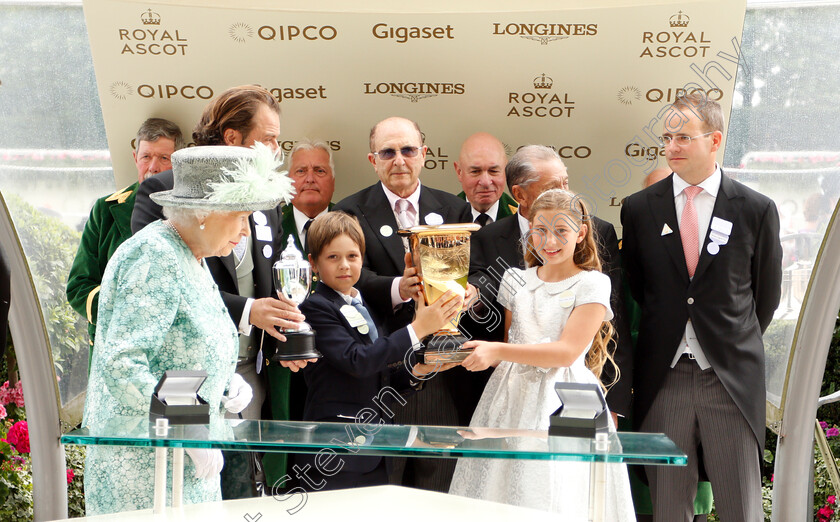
point(410, 264)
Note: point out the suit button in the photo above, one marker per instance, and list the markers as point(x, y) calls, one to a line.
point(690, 300)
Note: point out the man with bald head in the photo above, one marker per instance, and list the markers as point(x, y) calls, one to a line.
point(399, 200)
point(656, 175)
point(481, 172)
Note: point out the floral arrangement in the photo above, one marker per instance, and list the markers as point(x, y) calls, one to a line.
point(16, 462)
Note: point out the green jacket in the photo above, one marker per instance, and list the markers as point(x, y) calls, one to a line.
point(107, 227)
point(507, 205)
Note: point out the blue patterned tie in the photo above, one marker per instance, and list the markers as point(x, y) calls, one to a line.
point(357, 304)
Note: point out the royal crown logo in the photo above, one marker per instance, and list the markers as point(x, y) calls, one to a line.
point(150, 18)
point(680, 20)
point(543, 82)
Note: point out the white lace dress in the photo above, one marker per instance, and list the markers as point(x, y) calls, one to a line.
point(520, 396)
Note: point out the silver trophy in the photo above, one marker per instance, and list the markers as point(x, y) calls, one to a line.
point(293, 278)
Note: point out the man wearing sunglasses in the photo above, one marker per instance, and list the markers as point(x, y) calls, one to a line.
point(703, 260)
point(398, 201)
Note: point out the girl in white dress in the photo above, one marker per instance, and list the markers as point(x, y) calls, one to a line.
point(557, 323)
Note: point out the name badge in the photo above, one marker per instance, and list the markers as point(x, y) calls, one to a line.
point(353, 317)
point(719, 238)
point(566, 298)
point(721, 225)
point(259, 218)
point(263, 232)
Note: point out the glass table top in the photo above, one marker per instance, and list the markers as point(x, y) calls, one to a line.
point(382, 439)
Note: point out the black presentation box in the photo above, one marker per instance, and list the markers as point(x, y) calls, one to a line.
point(176, 398)
point(583, 412)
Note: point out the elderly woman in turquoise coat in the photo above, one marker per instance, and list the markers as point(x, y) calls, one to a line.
point(159, 310)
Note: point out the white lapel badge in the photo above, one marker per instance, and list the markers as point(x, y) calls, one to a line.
point(354, 318)
point(267, 251)
point(386, 231)
point(259, 218)
point(433, 219)
point(666, 230)
point(263, 233)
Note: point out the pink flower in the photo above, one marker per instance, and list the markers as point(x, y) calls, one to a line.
point(823, 425)
point(832, 432)
point(3, 412)
point(4, 393)
point(825, 513)
point(19, 394)
point(70, 475)
point(771, 476)
point(831, 499)
point(18, 436)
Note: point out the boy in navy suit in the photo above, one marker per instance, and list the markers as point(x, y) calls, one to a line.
point(360, 369)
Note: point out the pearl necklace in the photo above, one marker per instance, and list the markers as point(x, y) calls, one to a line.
point(172, 227)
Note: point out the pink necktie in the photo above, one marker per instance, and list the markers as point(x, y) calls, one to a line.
point(688, 230)
point(405, 211)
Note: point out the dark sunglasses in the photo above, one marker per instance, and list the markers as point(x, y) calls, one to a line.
point(406, 152)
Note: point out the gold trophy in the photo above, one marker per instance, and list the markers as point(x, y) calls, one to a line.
point(441, 254)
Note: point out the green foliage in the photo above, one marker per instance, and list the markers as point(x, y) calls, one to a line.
point(50, 248)
point(75, 456)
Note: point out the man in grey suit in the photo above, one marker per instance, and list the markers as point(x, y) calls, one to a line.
point(703, 260)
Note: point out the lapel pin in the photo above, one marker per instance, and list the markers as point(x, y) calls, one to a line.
point(386, 231)
point(259, 218)
point(666, 230)
point(713, 248)
point(267, 251)
point(433, 219)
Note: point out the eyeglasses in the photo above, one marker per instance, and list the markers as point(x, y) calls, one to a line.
point(406, 152)
point(683, 141)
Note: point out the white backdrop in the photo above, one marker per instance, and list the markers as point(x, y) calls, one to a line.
point(589, 78)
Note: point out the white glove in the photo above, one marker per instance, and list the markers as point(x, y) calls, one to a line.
point(239, 395)
point(208, 462)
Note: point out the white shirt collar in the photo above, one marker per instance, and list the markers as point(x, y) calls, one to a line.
point(413, 198)
point(301, 219)
point(492, 212)
point(349, 298)
point(524, 225)
point(711, 184)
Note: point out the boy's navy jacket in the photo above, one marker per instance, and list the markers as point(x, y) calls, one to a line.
point(355, 372)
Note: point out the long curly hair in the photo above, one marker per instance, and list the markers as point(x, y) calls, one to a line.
point(572, 210)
